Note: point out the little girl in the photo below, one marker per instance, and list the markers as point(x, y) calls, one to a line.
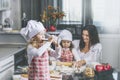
point(38, 58)
point(66, 51)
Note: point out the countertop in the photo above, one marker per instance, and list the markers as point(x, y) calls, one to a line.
point(5, 52)
point(11, 42)
point(10, 32)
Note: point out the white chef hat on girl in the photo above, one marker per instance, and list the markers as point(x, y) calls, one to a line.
point(65, 35)
point(33, 27)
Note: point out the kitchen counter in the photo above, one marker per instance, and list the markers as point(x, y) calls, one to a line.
point(8, 51)
point(11, 42)
point(68, 77)
point(10, 32)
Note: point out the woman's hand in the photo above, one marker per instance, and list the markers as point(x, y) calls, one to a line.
point(80, 63)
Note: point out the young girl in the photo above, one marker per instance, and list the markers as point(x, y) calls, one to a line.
point(37, 51)
point(66, 51)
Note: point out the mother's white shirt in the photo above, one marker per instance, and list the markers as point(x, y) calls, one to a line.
point(93, 55)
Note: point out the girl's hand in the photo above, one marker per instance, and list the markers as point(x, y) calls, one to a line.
point(56, 43)
point(63, 56)
point(51, 39)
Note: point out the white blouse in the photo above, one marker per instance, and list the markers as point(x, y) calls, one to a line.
point(93, 55)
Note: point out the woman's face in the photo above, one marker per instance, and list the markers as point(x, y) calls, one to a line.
point(66, 43)
point(85, 36)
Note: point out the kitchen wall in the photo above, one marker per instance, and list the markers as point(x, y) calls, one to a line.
point(111, 49)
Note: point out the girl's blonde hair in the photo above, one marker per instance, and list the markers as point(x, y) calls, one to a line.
point(34, 42)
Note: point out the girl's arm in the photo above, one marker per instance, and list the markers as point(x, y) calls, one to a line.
point(32, 51)
point(38, 52)
point(55, 53)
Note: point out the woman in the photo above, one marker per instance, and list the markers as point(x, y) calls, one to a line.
point(90, 48)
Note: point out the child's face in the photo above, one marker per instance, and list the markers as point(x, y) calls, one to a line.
point(40, 38)
point(66, 43)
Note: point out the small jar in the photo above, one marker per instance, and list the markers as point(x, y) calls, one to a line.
point(89, 72)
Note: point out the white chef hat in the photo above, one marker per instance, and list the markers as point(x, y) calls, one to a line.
point(33, 27)
point(65, 35)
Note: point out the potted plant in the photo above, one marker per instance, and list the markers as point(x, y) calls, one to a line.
point(51, 15)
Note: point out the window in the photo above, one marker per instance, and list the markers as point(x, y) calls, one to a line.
point(73, 10)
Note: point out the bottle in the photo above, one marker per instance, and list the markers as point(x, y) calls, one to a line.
point(24, 20)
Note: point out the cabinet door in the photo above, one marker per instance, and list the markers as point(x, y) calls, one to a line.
point(111, 46)
point(119, 56)
point(32, 9)
point(7, 74)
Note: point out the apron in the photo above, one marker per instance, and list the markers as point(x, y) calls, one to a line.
point(39, 68)
point(68, 55)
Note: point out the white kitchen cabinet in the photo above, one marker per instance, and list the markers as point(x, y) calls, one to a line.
point(4, 4)
point(6, 68)
point(111, 49)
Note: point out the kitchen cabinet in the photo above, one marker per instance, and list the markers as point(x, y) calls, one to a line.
point(111, 49)
point(31, 8)
point(20, 60)
point(6, 68)
point(11, 43)
point(4, 4)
